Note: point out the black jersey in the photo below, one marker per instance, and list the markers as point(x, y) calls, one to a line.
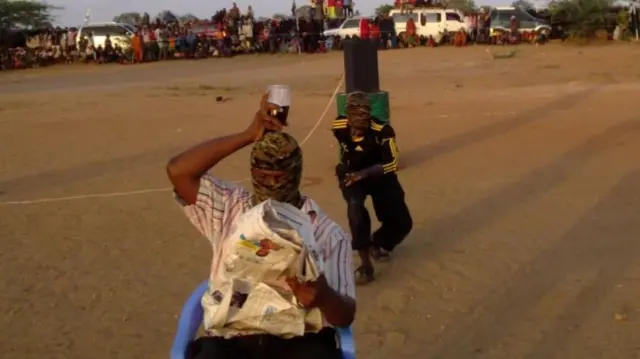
point(377, 146)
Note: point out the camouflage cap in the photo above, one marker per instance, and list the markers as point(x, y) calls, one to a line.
point(276, 151)
point(358, 107)
point(276, 168)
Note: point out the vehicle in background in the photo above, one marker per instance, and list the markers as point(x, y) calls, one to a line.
point(206, 29)
point(501, 20)
point(430, 22)
point(449, 20)
point(349, 28)
point(120, 33)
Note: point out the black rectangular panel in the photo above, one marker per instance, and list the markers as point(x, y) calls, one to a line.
point(361, 66)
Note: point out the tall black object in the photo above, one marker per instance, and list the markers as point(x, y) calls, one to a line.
point(361, 74)
point(361, 66)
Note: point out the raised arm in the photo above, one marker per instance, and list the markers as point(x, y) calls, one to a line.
point(186, 169)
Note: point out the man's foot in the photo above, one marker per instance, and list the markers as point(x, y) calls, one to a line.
point(380, 254)
point(364, 274)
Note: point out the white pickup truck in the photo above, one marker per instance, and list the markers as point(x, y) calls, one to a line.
point(430, 22)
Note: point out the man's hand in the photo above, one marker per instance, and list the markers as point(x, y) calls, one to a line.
point(353, 177)
point(263, 120)
point(309, 294)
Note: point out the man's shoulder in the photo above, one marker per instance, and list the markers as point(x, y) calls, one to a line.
point(340, 128)
point(340, 123)
point(382, 128)
point(325, 229)
point(222, 190)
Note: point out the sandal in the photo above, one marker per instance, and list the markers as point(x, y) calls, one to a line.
point(380, 254)
point(364, 275)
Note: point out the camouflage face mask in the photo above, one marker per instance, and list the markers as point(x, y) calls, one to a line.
point(276, 169)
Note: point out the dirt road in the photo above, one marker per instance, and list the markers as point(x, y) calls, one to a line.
point(522, 176)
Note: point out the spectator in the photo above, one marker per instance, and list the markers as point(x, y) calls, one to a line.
point(365, 29)
point(163, 42)
point(137, 47)
point(192, 43)
point(348, 7)
point(388, 31)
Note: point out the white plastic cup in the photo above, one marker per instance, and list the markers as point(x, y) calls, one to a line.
point(279, 95)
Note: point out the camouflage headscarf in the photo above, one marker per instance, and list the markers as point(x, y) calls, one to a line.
point(358, 110)
point(276, 169)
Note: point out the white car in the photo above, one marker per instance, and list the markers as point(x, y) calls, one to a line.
point(350, 28)
point(120, 33)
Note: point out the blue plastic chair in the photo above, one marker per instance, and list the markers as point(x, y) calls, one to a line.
point(191, 319)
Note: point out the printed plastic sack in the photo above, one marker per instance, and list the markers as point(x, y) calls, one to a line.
point(272, 241)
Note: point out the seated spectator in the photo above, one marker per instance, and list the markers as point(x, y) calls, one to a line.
point(89, 54)
point(214, 205)
point(181, 43)
point(171, 48)
point(108, 45)
point(120, 56)
point(100, 55)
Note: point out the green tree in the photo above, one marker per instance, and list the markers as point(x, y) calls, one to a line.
point(187, 18)
point(132, 18)
point(146, 19)
point(522, 4)
point(25, 14)
point(582, 18)
point(166, 16)
point(466, 6)
point(303, 12)
point(383, 10)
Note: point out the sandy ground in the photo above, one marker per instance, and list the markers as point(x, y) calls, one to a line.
point(522, 176)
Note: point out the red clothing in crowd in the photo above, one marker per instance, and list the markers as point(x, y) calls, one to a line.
point(411, 27)
point(365, 31)
point(375, 31)
point(331, 3)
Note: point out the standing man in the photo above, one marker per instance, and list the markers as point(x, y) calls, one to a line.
point(633, 14)
point(368, 164)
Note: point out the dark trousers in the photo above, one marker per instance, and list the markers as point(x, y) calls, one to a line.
point(321, 345)
point(391, 210)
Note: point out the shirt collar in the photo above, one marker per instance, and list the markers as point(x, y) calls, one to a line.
point(310, 207)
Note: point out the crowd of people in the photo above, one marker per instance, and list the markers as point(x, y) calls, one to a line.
point(225, 34)
point(231, 32)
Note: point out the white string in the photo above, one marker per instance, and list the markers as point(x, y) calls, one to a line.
point(155, 190)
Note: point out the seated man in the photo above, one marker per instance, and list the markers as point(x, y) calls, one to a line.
point(213, 206)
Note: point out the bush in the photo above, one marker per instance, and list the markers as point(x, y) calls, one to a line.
point(583, 18)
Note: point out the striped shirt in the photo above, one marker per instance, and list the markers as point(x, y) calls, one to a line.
point(219, 204)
